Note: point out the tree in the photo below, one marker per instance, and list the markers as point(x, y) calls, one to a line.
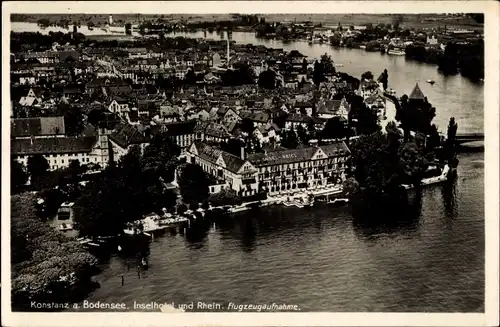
point(367, 76)
point(334, 128)
point(267, 79)
point(350, 186)
point(190, 77)
point(233, 146)
point(193, 184)
point(366, 119)
point(318, 73)
point(37, 166)
point(304, 65)
point(247, 126)
point(160, 157)
point(302, 135)
point(73, 118)
point(46, 265)
point(75, 169)
point(290, 140)
point(225, 197)
point(327, 63)
point(94, 216)
point(451, 138)
point(95, 117)
point(384, 79)
point(18, 175)
point(413, 163)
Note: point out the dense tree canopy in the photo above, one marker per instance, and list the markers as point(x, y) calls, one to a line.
point(335, 128)
point(382, 162)
point(289, 139)
point(37, 166)
point(18, 175)
point(193, 183)
point(267, 79)
point(46, 265)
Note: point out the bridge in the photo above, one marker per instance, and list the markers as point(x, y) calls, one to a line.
point(469, 137)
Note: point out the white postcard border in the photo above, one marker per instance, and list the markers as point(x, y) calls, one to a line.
point(491, 126)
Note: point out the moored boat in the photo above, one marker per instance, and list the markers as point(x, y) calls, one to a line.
point(396, 52)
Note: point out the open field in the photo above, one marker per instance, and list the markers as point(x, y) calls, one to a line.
point(407, 20)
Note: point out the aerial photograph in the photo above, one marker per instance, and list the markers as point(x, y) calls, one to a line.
point(247, 162)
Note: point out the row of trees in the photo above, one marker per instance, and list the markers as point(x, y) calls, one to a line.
point(38, 42)
point(468, 59)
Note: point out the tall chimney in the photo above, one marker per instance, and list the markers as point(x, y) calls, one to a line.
point(242, 153)
point(228, 52)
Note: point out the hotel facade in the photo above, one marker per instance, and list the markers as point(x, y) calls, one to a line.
point(275, 172)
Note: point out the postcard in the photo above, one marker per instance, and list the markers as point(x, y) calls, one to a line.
point(244, 163)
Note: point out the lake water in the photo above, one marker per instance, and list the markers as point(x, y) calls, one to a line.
point(322, 259)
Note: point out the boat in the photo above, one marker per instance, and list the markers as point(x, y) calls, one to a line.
point(430, 81)
point(238, 209)
point(396, 52)
point(338, 200)
point(433, 180)
point(65, 227)
point(93, 244)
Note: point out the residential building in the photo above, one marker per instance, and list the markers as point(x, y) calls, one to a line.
point(333, 108)
point(59, 151)
point(123, 139)
point(183, 133)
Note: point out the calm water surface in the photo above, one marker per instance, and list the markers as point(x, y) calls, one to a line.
point(322, 259)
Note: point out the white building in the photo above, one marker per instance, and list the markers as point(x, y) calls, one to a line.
point(59, 151)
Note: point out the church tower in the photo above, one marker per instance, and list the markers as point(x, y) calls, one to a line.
point(110, 20)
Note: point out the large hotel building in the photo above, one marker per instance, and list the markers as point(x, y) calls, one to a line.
point(276, 171)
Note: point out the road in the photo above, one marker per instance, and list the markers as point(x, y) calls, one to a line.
point(390, 114)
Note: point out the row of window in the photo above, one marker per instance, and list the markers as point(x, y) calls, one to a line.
point(304, 164)
point(58, 156)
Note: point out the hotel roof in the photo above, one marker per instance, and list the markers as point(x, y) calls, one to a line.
point(296, 155)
